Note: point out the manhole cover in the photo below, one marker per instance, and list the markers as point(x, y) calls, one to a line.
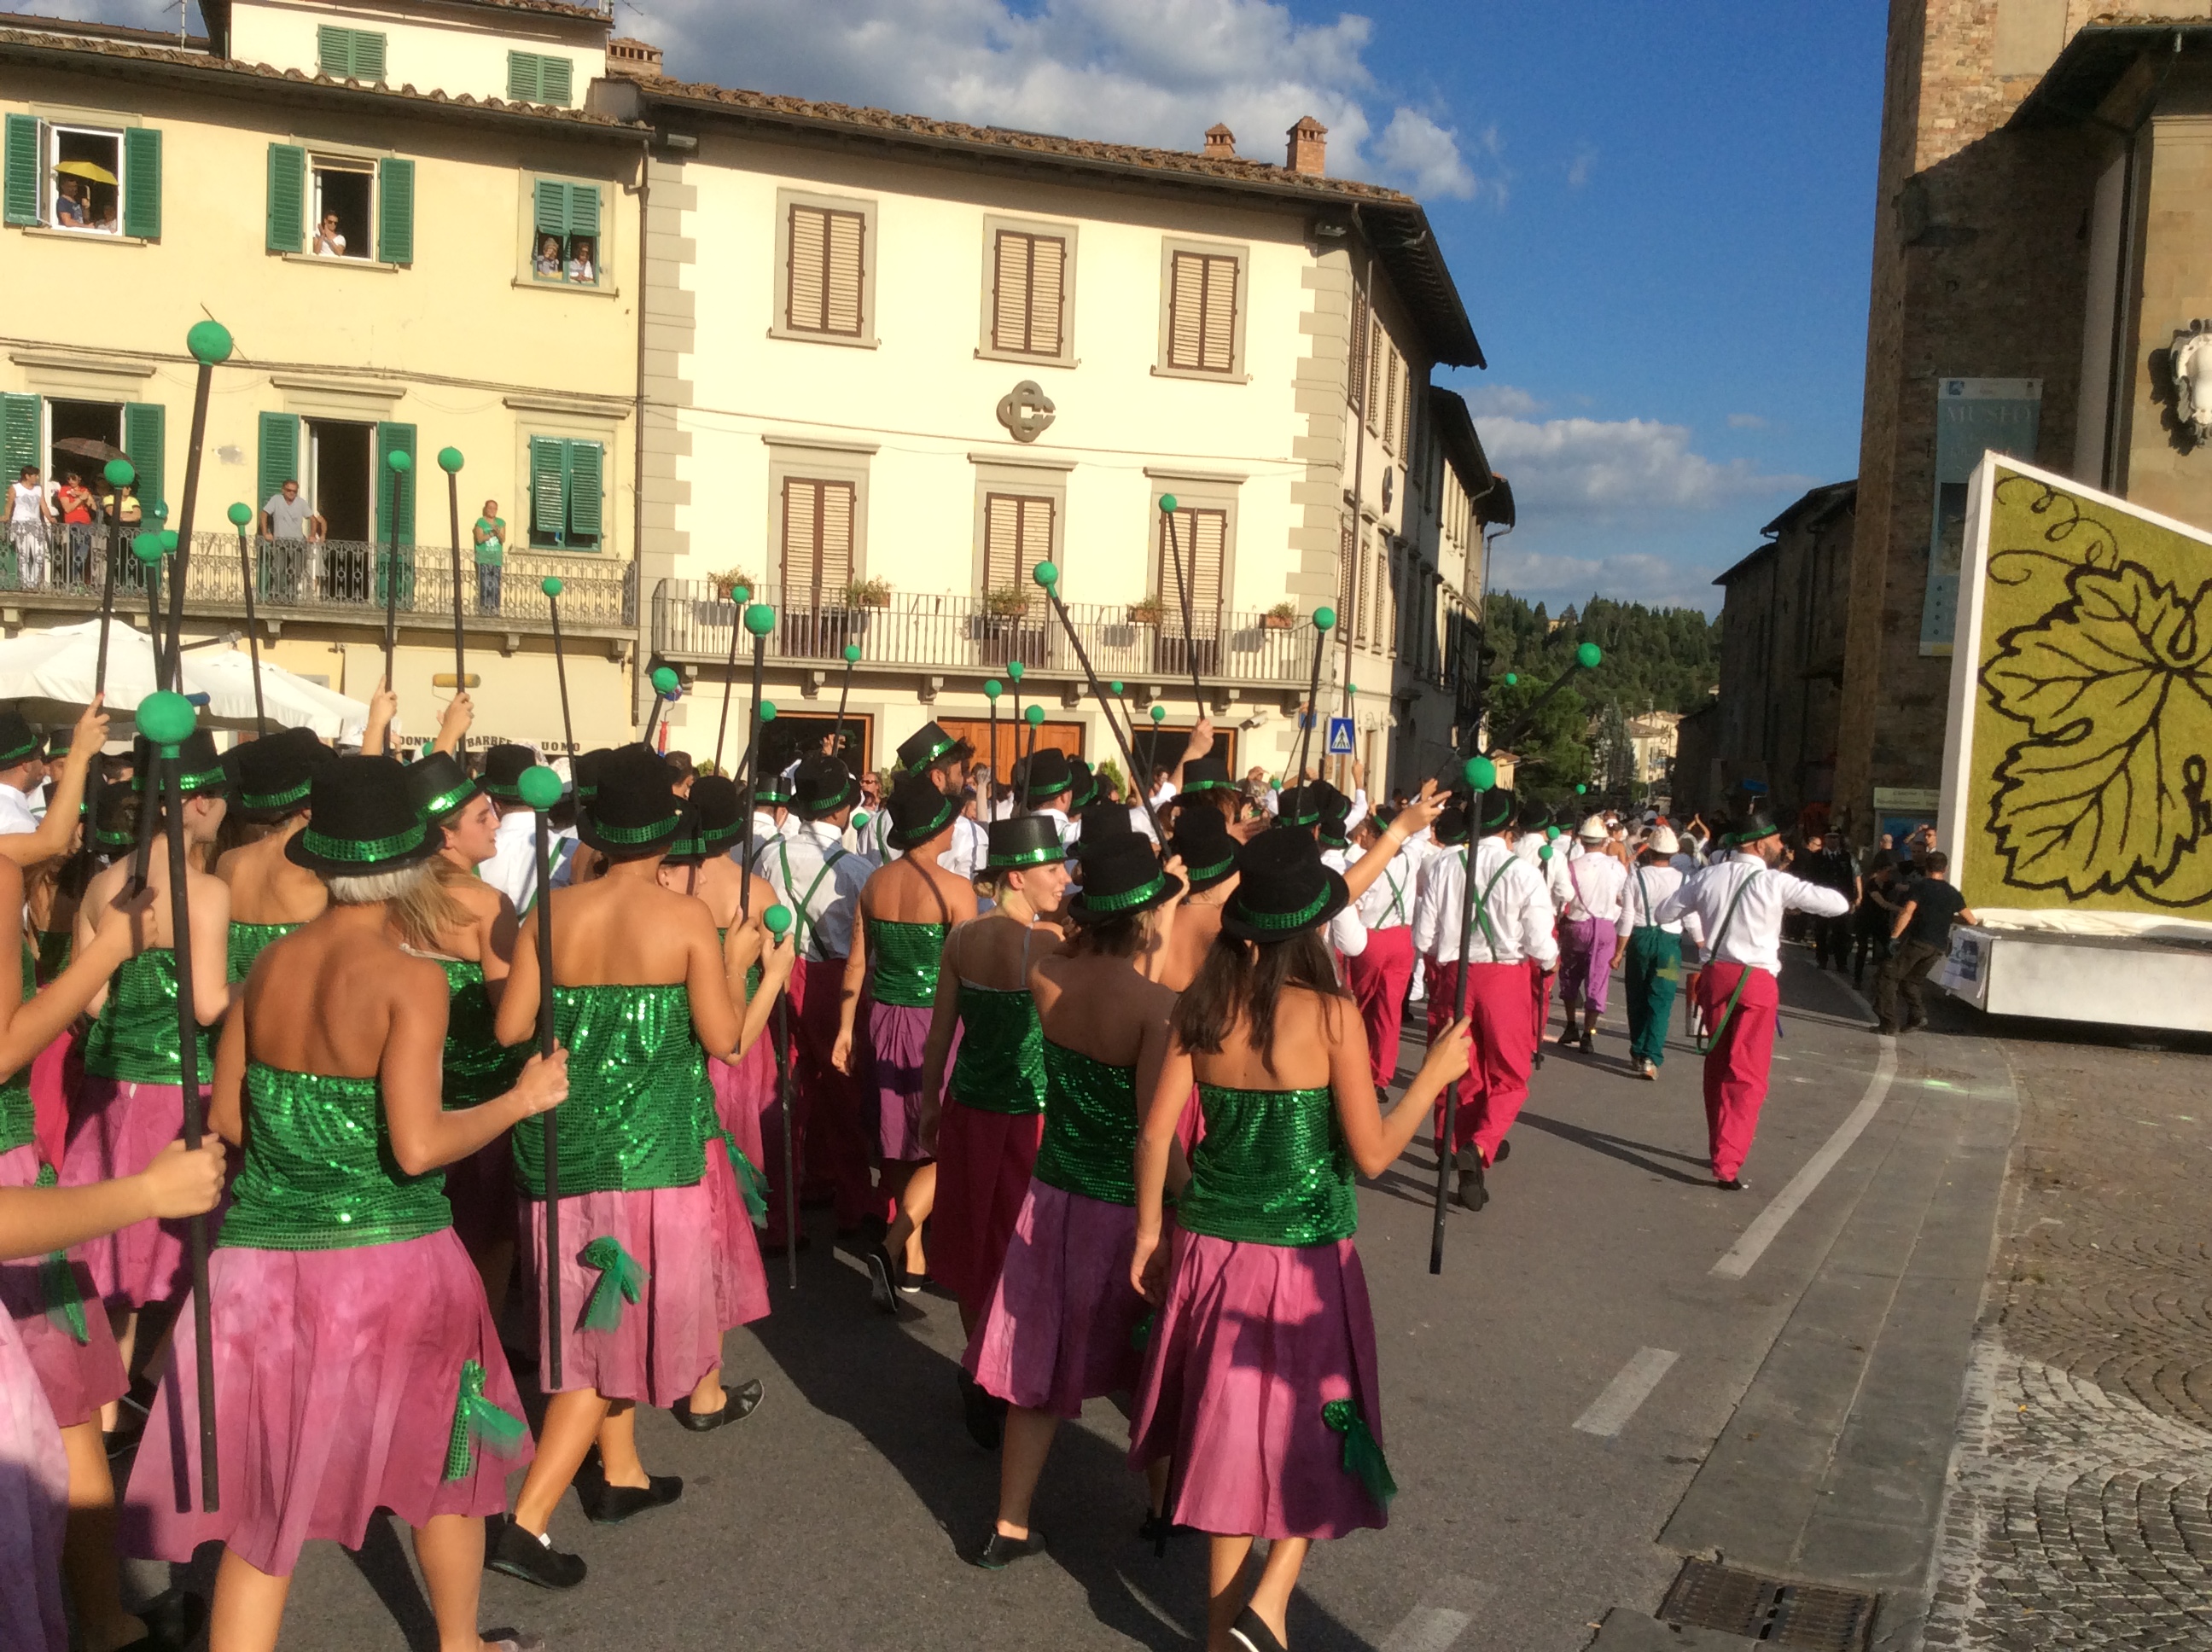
point(1769, 1609)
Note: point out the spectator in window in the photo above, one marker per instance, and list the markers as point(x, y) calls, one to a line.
point(68, 204)
point(582, 266)
point(29, 514)
point(293, 527)
point(73, 500)
point(490, 533)
point(548, 262)
point(328, 243)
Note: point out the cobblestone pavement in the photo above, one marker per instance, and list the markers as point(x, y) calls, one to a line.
point(2081, 1509)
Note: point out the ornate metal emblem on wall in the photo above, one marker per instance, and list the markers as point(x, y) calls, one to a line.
point(2190, 363)
point(1026, 411)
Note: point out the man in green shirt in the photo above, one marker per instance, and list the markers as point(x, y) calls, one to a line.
point(491, 541)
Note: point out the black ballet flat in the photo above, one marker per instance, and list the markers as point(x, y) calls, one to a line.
point(611, 1505)
point(174, 1620)
point(737, 1404)
point(883, 1280)
point(985, 1415)
point(514, 1552)
point(1249, 1633)
point(999, 1552)
point(1730, 1185)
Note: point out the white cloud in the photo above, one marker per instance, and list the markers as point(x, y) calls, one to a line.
point(1601, 467)
point(1502, 401)
point(1579, 168)
point(1745, 421)
point(1555, 580)
point(1155, 72)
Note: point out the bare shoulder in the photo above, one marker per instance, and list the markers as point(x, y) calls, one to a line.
point(481, 899)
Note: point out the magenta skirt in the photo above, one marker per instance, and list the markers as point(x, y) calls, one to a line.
point(1061, 1328)
point(740, 1278)
point(1253, 1342)
point(983, 1165)
point(743, 1091)
point(57, 1074)
point(78, 1377)
point(671, 1336)
point(118, 1128)
point(481, 1190)
point(899, 1032)
point(33, 1507)
point(337, 1376)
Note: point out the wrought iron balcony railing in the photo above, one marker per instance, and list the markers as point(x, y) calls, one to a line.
point(692, 622)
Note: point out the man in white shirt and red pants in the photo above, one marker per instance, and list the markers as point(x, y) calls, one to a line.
point(1738, 901)
point(1380, 972)
point(1512, 931)
point(1587, 931)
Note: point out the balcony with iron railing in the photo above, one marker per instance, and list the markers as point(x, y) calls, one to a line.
point(693, 622)
point(60, 567)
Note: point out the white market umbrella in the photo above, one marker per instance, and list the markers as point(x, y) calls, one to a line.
point(227, 678)
point(51, 672)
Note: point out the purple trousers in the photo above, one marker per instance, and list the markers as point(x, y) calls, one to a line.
point(1585, 962)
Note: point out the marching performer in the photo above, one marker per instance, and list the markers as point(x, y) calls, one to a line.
point(356, 1365)
point(270, 896)
point(1259, 1384)
point(644, 989)
point(1201, 841)
point(930, 750)
point(1380, 972)
point(908, 909)
point(1062, 1326)
point(1512, 935)
point(1738, 901)
point(1652, 951)
point(1588, 924)
point(513, 868)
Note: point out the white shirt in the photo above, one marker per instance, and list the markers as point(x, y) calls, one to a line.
point(1345, 933)
point(1753, 936)
point(1518, 907)
point(26, 502)
point(16, 815)
point(1069, 830)
point(1553, 871)
point(1647, 887)
point(513, 868)
point(963, 857)
point(1389, 902)
point(819, 879)
point(1596, 882)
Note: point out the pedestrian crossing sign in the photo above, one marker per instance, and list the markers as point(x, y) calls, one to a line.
point(1340, 736)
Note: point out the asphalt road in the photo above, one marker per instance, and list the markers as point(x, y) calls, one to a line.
point(1586, 1291)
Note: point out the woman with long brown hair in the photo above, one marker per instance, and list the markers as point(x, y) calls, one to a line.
point(1260, 1382)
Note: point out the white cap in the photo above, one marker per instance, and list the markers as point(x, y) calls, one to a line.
point(1663, 842)
point(1593, 830)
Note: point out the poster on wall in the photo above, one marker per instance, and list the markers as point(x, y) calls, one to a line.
point(2081, 708)
point(1974, 417)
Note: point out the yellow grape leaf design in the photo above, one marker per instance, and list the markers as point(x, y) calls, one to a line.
point(2115, 688)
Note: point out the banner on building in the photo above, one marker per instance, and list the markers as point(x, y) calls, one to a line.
point(1974, 417)
point(2080, 706)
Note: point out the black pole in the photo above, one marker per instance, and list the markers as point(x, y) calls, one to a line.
point(844, 691)
point(1028, 761)
point(752, 767)
point(1182, 592)
point(660, 694)
point(991, 692)
point(154, 622)
point(554, 1324)
point(552, 588)
point(114, 513)
point(391, 583)
point(1446, 1151)
point(1313, 690)
point(453, 512)
point(738, 597)
point(184, 520)
point(783, 1054)
point(253, 629)
point(1048, 577)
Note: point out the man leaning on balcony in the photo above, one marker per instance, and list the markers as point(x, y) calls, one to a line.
point(291, 530)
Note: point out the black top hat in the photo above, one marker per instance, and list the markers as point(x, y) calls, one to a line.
point(1046, 776)
point(822, 787)
point(1282, 890)
point(364, 821)
point(58, 741)
point(1751, 820)
point(927, 745)
point(1335, 831)
point(1082, 785)
point(1102, 823)
point(1208, 774)
point(200, 765)
point(1451, 824)
point(440, 786)
point(111, 822)
point(1302, 805)
point(635, 811)
point(1209, 853)
point(771, 793)
point(502, 771)
point(919, 811)
point(273, 774)
point(1026, 841)
point(713, 819)
point(17, 742)
point(1122, 876)
point(587, 767)
point(1498, 808)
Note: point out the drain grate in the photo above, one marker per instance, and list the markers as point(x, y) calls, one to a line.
point(1769, 1609)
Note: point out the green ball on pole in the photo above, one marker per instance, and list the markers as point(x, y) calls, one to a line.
point(851, 653)
point(1045, 574)
point(1481, 774)
point(760, 619)
point(239, 515)
point(993, 688)
point(167, 719)
point(768, 711)
point(1015, 669)
point(398, 462)
point(1589, 656)
point(1324, 619)
point(551, 585)
point(1511, 677)
point(1034, 716)
point(209, 342)
point(664, 681)
point(1115, 685)
point(120, 473)
point(1160, 714)
point(540, 786)
point(1168, 504)
point(148, 548)
point(778, 919)
point(449, 460)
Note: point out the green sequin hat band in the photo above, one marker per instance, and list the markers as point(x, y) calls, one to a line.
point(919, 811)
point(17, 741)
point(259, 800)
point(1122, 876)
point(204, 780)
point(1283, 889)
point(364, 853)
point(113, 840)
point(1044, 854)
point(445, 803)
point(364, 821)
point(629, 837)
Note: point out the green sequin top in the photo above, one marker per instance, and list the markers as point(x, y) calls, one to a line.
point(247, 942)
point(1271, 1169)
point(1000, 1066)
point(319, 1174)
point(903, 959)
point(135, 1039)
point(477, 1065)
point(18, 1121)
point(640, 1107)
point(1089, 1126)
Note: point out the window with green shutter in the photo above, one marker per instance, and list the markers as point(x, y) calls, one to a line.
point(145, 429)
point(19, 435)
point(141, 182)
point(567, 493)
point(565, 219)
point(534, 77)
point(20, 191)
point(349, 54)
point(288, 197)
point(395, 210)
point(392, 485)
point(277, 461)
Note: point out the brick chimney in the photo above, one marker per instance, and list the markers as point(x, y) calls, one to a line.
point(634, 59)
point(1220, 143)
point(1309, 148)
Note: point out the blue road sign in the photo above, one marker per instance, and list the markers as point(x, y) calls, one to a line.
point(1340, 736)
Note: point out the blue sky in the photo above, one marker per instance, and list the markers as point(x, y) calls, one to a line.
point(1660, 214)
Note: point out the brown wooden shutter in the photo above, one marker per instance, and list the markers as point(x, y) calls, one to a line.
point(1017, 536)
point(1372, 407)
point(1391, 402)
point(818, 543)
point(1358, 351)
point(1029, 294)
point(1201, 541)
point(826, 271)
point(1344, 576)
point(1202, 313)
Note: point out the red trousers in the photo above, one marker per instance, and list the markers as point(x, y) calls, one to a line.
point(1504, 1041)
point(1736, 1066)
point(1378, 978)
point(1539, 991)
point(828, 1142)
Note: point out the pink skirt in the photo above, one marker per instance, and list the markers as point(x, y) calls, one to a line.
point(57, 1074)
point(1253, 1342)
point(740, 1279)
point(983, 1165)
point(481, 1190)
point(899, 1033)
point(1062, 1324)
point(742, 1092)
point(337, 1376)
point(33, 1507)
point(671, 1336)
point(78, 1377)
point(118, 1128)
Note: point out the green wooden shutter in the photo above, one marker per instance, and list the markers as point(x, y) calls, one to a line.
point(334, 50)
point(584, 213)
point(144, 427)
point(550, 210)
point(586, 488)
point(20, 190)
point(19, 433)
point(395, 210)
point(367, 55)
point(141, 182)
point(524, 80)
point(549, 490)
point(394, 439)
point(556, 79)
point(278, 461)
point(287, 199)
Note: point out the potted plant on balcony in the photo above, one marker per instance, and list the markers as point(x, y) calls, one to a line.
point(1009, 603)
point(730, 579)
point(1283, 617)
point(1149, 611)
point(868, 593)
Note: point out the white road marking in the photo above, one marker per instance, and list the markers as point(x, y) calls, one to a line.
point(1760, 1234)
point(1439, 1621)
point(1610, 1412)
